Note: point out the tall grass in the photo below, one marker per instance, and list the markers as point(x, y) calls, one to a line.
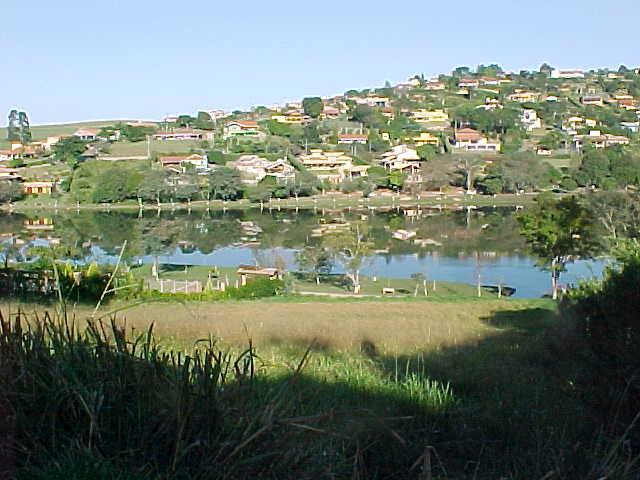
point(119, 400)
point(91, 399)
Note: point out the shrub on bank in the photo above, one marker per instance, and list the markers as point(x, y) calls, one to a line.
point(606, 317)
point(259, 288)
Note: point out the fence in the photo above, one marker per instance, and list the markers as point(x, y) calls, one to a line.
point(178, 286)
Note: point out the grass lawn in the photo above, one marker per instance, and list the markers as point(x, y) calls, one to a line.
point(39, 132)
point(563, 162)
point(122, 149)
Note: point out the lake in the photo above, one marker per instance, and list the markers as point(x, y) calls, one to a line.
point(456, 246)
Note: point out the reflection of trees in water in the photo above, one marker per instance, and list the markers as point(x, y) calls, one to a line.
point(488, 230)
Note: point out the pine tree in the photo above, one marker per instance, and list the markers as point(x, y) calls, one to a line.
point(13, 129)
point(25, 130)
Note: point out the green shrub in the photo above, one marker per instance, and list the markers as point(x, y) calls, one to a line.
point(606, 316)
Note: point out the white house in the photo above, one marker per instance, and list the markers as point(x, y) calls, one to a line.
point(86, 134)
point(529, 119)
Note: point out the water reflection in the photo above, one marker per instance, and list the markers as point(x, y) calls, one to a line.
point(450, 246)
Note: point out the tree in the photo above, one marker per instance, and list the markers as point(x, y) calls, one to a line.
point(351, 249)
point(115, 185)
point(13, 128)
point(10, 191)
point(546, 69)
point(593, 169)
point(470, 165)
point(316, 260)
point(618, 214)
point(134, 133)
point(154, 187)
point(204, 121)
point(18, 129)
point(558, 232)
point(186, 189)
point(305, 184)
point(552, 139)
point(427, 152)
point(216, 157)
point(461, 72)
point(225, 183)
point(185, 121)
point(68, 150)
point(25, 130)
point(312, 106)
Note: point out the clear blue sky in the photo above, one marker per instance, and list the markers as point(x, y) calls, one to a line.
point(70, 60)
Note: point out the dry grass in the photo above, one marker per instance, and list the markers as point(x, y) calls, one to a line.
point(389, 326)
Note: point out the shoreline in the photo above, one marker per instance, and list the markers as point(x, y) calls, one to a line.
point(444, 201)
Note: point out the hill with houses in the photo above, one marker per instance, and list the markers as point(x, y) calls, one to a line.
point(479, 130)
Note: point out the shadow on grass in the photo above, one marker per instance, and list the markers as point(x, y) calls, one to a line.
point(501, 407)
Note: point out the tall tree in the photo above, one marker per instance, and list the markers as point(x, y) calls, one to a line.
point(25, 129)
point(13, 127)
point(558, 232)
point(351, 250)
point(225, 183)
point(312, 106)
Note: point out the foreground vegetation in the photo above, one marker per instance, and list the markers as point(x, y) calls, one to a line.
point(97, 400)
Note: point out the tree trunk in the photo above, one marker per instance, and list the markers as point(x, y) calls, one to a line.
point(554, 279)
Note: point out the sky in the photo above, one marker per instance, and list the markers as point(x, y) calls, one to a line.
point(67, 60)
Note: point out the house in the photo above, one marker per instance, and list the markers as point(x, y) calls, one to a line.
point(351, 138)
point(38, 188)
point(490, 104)
point(530, 120)
point(183, 162)
point(489, 81)
point(435, 85)
point(373, 101)
point(544, 151)
point(42, 223)
point(9, 174)
point(470, 140)
point(292, 117)
point(248, 271)
point(332, 166)
point(403, 234)
point(551, 99)
point(253, 169)
point(633, 127)
point(594, 100)
point(426, 138)
point(567, 74)
point(599, 140)
point(469, 83)
point(430, 116)
point(185, 134)
point(572, 124)
point(388, 112)
point(241, 128)
point(522, 96)
point(401, 158)
point(86, 134)
point(10, 154)
point(329, 112)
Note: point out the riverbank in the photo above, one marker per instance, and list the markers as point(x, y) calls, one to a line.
point(327, 201)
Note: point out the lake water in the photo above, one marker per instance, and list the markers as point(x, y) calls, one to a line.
point(453, 246)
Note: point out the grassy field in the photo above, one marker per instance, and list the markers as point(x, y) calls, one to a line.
point(448, 390)
point(122, 149)
point(39, 132)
